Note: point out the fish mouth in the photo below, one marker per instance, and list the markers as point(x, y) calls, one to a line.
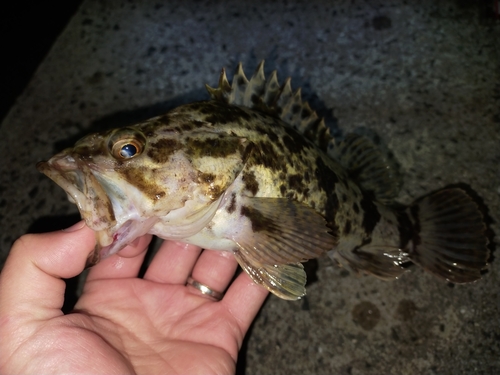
point(83, 189)
point(97, 202)
point(121, 237)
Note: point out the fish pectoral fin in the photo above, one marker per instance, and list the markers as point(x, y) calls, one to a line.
point(280, 234)
point(286, 281)
point(371, 166)
point(282, 231)
point(384, 262)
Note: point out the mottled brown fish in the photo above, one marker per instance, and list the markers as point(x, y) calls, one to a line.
point(254, 171)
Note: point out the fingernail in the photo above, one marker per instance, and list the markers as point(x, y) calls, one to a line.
point(75, 227)
point(135, 242)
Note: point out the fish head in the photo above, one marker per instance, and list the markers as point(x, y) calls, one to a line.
point(93, 175)
point(126, 181)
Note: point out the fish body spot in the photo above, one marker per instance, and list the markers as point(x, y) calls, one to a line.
point(214, 147)
point(371, 215)
point(347, 227)
point(161, 150)
point(295, 182)
point(251, 183)
point(259, 222)
point(232, 204)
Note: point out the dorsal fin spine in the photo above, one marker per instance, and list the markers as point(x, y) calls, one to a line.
point(272, 90)
point(267, 95)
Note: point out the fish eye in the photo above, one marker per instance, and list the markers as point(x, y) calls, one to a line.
point(126, 144)
point(128, 151)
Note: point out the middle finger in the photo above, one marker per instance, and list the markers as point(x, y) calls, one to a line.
point(173, 263)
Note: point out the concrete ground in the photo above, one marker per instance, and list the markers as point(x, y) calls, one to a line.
point(422, 75)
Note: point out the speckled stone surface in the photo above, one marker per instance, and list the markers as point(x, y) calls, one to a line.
point(423, 75)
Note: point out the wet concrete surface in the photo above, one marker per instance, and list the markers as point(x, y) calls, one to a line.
point(424, 76)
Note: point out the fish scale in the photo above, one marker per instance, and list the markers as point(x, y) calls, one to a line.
point(255, 172)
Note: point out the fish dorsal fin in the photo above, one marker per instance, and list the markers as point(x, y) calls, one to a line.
point(268, 96)
point(372, 167)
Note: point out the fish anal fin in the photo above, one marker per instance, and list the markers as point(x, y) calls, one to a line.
point(449, 236)
point(384, 262)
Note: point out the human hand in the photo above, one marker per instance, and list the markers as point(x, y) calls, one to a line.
point(121, 323)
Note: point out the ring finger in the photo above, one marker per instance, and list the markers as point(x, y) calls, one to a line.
point(215, 269)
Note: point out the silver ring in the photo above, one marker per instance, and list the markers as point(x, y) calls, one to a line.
point(205, 289)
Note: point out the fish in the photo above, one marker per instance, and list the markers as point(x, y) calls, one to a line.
point(255, 171)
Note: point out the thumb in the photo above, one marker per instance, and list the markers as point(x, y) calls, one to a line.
point(30, 283)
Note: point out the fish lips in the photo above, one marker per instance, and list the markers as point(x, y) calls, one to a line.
point(76, 177)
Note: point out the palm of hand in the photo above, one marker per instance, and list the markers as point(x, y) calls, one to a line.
point(121, 323)
point(142, 326)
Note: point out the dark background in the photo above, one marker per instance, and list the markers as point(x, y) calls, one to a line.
point(27, 31)
point(29, 28)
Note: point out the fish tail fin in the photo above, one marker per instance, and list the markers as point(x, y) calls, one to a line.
point(449, 236)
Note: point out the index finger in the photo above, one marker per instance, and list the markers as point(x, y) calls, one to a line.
point(124, 264)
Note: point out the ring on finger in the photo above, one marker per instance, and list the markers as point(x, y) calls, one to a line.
point(205, 289)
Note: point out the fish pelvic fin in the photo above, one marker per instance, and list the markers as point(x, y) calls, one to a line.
point(267, 95)
point(286, 281)
point(449, 236)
